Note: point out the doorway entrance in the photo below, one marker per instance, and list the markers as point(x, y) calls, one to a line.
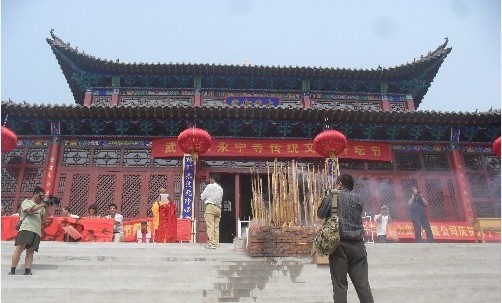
point(228, 206)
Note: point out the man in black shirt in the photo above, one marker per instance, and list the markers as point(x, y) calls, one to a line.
point(350, 257)
point(417, 205)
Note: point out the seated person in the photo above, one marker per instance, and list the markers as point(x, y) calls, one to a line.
point(65, 212)
point(143, 235)
point(92, 211)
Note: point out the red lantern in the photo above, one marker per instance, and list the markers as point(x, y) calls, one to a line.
point(496, 147)
point(9, 139)
point(330, 143)
point(194, 141)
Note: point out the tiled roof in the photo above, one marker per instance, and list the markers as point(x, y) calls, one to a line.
point(71, 59)
point(232, 112)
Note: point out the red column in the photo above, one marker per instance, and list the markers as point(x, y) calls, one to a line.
point(88, 98)
point(51, 168)
point(197, 99)
point(237, 201)
point(115, 98)
point(463, 186)
point(306, 102)
point(385, 105)
point(410, 105)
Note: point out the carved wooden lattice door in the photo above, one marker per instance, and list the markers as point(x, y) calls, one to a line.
point(393, 190)
point(132, 191)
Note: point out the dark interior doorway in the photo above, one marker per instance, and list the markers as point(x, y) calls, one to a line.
point(246, 194)
point(227, 221)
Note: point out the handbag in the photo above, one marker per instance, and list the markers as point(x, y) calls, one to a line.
point(327, 238)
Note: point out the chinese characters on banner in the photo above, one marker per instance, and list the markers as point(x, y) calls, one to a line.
point(187, 187)
point(443, 231)
point(166, 148)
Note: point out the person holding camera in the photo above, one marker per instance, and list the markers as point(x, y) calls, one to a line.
point(417, 205)
point(35, 213)
point(350, 257)
point(382, 219)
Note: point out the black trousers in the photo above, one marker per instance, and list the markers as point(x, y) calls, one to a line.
point(350, 258)
point(420, 221)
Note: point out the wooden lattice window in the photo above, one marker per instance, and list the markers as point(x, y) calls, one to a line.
point(363, 189)
point(453, 197)
point(36, 155)
point(32, 177)
point(473, 162)
point(9, 203)
point(76, 157)
point(131, 196)
point(106, 158)
point(436, 199)
point(15, 156)
point(492, 162)
point(408, 161)
point(478, 185)
point(10, 178)
point(137, 158)
point(406, 185)
point(436, 161)
point(159, 162)
point(60, 192)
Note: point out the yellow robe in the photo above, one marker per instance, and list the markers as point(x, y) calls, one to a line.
point(155, 212)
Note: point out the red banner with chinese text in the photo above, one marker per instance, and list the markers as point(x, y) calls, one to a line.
point(442, 231)
point(184, 229)
point(92, 230)
point(168, 148)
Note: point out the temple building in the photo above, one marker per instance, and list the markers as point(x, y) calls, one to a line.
point(117, 143)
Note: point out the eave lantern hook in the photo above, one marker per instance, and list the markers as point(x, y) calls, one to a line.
point(194, 141)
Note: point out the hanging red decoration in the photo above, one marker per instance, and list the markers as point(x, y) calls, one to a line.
point(9, 139)
point(496, 147)
point(330, 143)
point(194, 141)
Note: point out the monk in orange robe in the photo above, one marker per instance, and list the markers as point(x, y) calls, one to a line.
point(164, 218)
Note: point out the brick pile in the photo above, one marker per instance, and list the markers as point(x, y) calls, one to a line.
point(276, 241)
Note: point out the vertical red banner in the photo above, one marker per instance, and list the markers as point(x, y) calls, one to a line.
point(51, 170)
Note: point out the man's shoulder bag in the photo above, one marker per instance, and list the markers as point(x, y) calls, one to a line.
point(328, 237)
point(18, 225)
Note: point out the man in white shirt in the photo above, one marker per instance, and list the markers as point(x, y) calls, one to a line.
point(118, 228)
point(382, 220)
point(212, 196)
point(143, 235)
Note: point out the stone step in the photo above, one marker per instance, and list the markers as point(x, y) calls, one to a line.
point(132, 272)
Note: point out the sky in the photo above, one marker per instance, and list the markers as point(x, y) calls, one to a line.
point(358, 34)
